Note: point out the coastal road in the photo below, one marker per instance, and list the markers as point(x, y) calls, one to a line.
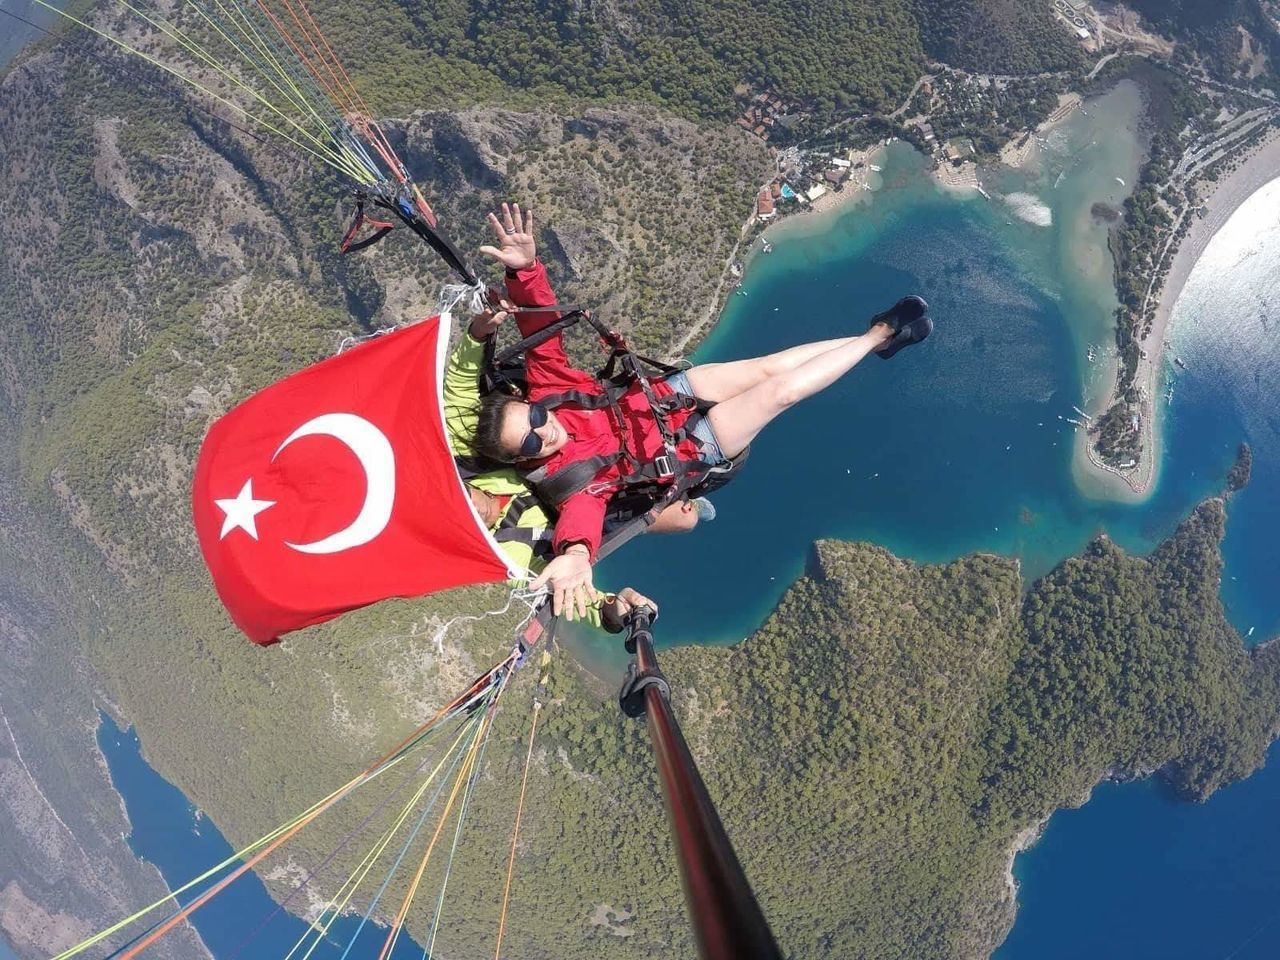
point(1100, 64)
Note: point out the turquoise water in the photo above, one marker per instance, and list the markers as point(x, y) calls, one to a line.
point(1136, 873)
point(242, 920)
point(960, 445)
point(6, 952)
point(956, 446)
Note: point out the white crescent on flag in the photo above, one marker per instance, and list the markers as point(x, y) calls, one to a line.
point(377, 459)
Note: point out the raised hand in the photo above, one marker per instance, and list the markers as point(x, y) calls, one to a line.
point(516, 247)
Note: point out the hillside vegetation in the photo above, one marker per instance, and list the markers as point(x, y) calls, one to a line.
point(876, 748)
point(696, 58)
point(1226, 37)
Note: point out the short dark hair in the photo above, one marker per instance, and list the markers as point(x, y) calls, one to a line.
point(490, 418)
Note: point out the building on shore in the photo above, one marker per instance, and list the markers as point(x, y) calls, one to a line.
point(835, 178)
point(764, 205)
point(958, 149)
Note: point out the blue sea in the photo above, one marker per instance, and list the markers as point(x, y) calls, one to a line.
point(242, 921)
point(15, 34)
point(964, 444)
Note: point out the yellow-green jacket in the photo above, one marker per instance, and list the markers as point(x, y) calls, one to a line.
point(461, 402)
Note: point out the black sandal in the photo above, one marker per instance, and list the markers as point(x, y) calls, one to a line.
point(909, 333)
point(905, 311)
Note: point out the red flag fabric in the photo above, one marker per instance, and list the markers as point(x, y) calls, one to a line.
point(336, 488)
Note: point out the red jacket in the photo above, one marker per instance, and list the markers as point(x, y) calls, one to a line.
point(591, 432)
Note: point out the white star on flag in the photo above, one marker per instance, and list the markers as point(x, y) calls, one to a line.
point(241, 511)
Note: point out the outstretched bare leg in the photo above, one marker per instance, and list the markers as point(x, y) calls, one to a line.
point(738, 419)
point(718, 382)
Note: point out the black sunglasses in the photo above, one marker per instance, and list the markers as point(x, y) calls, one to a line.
point(531, 445)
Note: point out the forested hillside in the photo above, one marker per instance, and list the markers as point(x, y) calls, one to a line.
point(1227, 36)
point(696, 58)
point(997, 36)
point(876, 748)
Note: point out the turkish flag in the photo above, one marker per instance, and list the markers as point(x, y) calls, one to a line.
point(336, 488)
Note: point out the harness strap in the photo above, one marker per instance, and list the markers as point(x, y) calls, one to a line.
point(580, 398)
point(381, 228)
point(542, 336)
point(556, 488)
point(537, 539)
point(515, 510)
point(403, 207)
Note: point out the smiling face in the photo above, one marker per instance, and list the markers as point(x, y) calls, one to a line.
point(516, 428)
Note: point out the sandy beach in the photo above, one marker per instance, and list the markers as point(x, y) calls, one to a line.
point(1019, 151)
point(1256, 171)
point(1260, 167)
point(854, 190)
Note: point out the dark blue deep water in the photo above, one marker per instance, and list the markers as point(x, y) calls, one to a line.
point(169, 833)
point(1138, 874)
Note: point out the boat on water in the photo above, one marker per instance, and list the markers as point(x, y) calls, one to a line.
point(766, 246)
point(1250, 633)
point(984, 192)
point(1178, 361)
point(1121, 182)
point(874, 168)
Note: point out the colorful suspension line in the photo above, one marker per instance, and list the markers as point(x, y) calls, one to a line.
point(544, 668)
point(345, 841)
point(255, 852)
point(469, 766)
point(304, 140)
point(343, 897)
point(307, 98)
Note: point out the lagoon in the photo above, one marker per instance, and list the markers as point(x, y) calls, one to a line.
point(962, 444)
